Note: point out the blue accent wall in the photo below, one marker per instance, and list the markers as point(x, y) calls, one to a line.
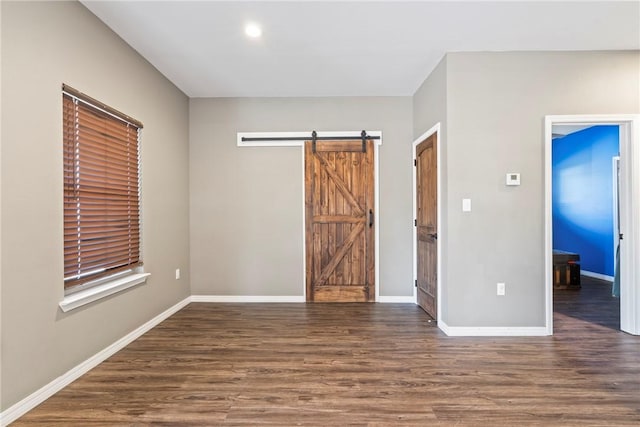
point(582, 200)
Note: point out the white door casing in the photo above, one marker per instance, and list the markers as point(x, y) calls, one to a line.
point(629, 125)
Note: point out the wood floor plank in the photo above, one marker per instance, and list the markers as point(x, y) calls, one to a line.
point(359, 364)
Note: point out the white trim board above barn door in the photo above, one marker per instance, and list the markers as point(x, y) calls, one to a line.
point(277, 141)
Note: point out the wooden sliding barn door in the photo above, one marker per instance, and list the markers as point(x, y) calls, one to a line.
point(427, 225)
point(339, 200)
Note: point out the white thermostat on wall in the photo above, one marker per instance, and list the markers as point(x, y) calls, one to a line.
point(513, 178)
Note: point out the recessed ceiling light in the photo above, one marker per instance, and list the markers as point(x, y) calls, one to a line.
point(253, 30)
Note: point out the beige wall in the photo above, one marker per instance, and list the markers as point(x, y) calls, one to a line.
point(496, 104)
point(246, 203)
point(430, 101)
point(43, 45)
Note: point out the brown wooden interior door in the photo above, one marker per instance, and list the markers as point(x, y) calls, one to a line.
point(339, 202)
point(427, 225)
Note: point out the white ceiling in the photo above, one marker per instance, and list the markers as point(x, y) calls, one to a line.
point(344, 48)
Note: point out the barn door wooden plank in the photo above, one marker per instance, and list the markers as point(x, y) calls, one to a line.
point(337, 257)
point(369, 265)
point(344, 221)
point(340, 184)
point(347, 267)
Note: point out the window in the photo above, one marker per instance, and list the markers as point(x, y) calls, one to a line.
point(101, 191)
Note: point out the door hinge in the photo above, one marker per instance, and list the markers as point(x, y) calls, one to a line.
point(416, 285)
point(621, 237)
point(415, 162)
point(415, 222)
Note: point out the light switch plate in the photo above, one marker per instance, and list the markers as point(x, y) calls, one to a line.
point(466, 205)
point(513, 178)
point(501, 289)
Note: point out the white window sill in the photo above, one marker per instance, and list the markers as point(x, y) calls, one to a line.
point(95, 293)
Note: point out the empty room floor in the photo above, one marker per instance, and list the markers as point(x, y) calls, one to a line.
point(355, 364)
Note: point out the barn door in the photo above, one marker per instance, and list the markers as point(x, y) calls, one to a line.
point(339, 201)
point(427, 225)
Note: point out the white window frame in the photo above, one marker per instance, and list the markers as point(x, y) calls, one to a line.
point(103, 287)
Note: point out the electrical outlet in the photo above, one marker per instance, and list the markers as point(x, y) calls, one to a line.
point(177, 273)
point(501, 289)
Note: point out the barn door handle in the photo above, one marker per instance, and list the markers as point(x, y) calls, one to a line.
point(434, 236)
point(370, 218)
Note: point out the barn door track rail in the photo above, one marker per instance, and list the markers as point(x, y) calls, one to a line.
point(314, 137)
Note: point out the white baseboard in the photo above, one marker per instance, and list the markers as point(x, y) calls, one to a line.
point(597, 275)
point(34, 399)
point(396, 299)
point(282, 298)
point(493, 331)
point(247, 298)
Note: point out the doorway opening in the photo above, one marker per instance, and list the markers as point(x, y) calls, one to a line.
point(629, 210)
point(585, 210)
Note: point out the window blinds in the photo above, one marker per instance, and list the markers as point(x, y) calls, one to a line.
point(101, 190)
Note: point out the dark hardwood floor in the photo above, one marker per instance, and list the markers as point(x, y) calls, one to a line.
point(356, 364)
point(593, 303)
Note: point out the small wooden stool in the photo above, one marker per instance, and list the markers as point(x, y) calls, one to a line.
point(566, 270)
